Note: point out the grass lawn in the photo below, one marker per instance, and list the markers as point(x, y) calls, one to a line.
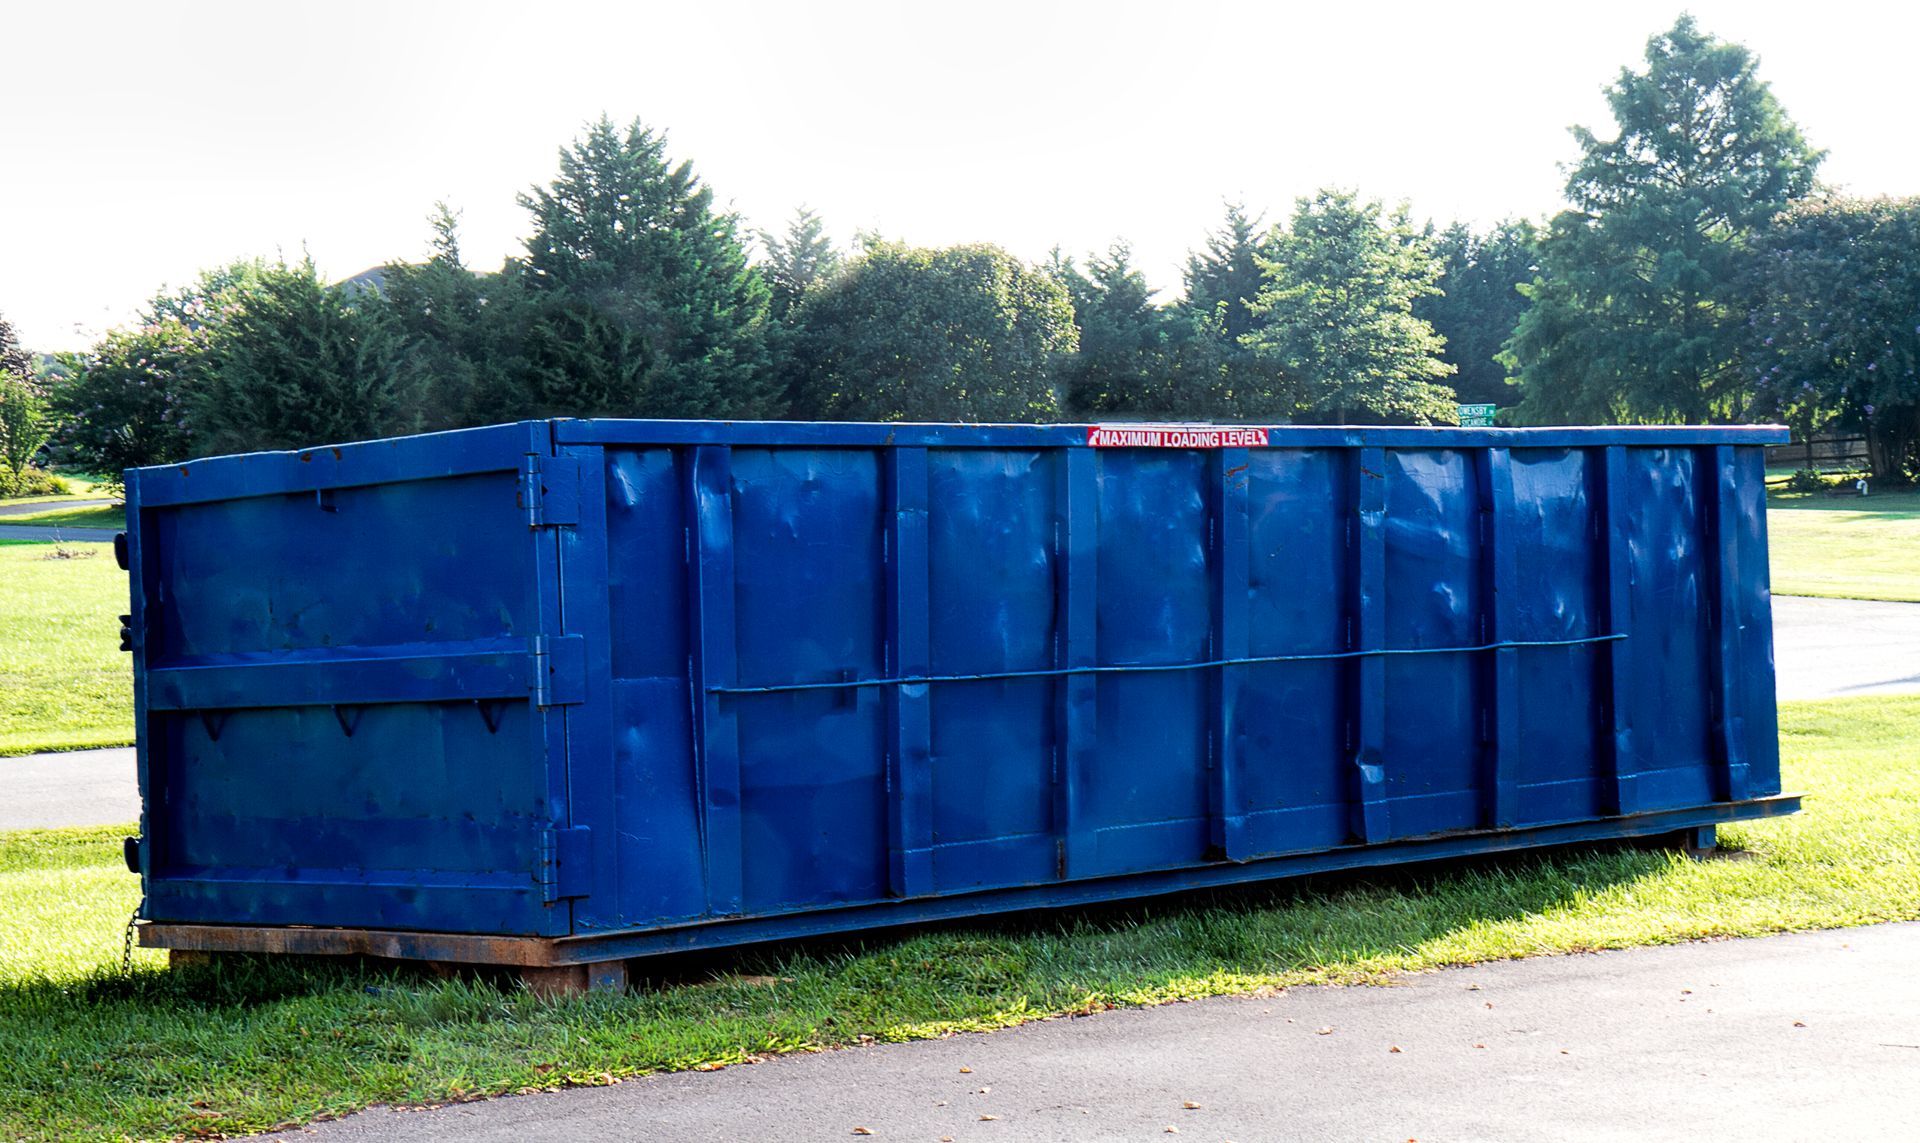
point(100, 516)
point(64, 684)
point(1846, 547)
point(243, 1047)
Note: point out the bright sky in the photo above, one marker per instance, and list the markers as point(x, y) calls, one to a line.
point(140, 142)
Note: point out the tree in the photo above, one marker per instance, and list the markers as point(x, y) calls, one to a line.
point(1122, 364)
point(629, 246)
point(24, 426)
point(967, 333)
point(1638, 317)
point(125, 402)
point(1833, 337)
point(1480, 303)
point(804, 258)
point(464, 331)
point(1225, 277)
point(299, 363)
point(1336, 313)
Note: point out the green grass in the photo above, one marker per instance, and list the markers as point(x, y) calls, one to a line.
point(100, 516)
point(242, 1047)
point(1846, 547)
point(64, 683)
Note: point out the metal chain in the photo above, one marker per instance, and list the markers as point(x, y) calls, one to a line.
point(126, 949)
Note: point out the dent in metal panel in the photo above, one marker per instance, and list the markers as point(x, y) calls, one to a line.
point(1149, 794)
point(1433, 597)
point(646, 564)
point(808, 600)
point(991, 595)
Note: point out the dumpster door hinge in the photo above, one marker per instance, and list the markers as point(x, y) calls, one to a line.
point(549, 490)
point(566, 862)
point(557, 670)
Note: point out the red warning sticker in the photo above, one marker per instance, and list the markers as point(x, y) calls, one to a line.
point(1174, 436)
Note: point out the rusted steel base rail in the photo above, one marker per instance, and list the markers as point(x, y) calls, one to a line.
point(568, 964)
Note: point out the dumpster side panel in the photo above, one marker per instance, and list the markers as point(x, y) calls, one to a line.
point(1433, 597)
point(991, 568)
point(1145, 799)
point(1557, 586)
point(808, 595)
point(1672, 596)
point(1294, 718)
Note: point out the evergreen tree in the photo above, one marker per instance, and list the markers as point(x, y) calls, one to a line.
point(15, 362)
point(967, 333)
point(1480, 303)
point(1336, 314)
point(1225, 277)
point(1122, 364)
point(805, 257)
point(464, 331)
point(630, 247)
point(299, 363)
point(1638, 315)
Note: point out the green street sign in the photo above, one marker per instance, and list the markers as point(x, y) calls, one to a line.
point(1476, 416)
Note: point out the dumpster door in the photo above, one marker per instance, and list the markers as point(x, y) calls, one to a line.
point(350, 686)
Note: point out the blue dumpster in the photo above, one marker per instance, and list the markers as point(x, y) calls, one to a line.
point(573, 691)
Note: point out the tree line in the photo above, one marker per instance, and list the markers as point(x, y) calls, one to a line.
point(1699, 273)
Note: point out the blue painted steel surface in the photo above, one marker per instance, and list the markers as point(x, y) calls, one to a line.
point(612, 679)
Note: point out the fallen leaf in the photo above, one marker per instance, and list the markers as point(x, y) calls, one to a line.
point(1394, 1049)
point(863, 1131)
point(964, 1069)
point(1172, 1130)
point(985, 1118)
point(1327, 1031)
point(1473, 988)
point(1479, 1045)
point(1489, 1003)
point(1798, 1024)
point(1563, 1051)
point(985, 1090)
point(1189, 1105)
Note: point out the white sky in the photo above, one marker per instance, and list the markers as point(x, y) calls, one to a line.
point(140, 142)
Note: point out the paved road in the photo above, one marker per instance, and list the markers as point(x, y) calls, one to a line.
point(1824, 648)
point(51, 506)
point(1799, 1037)
point(43, 532)
point(1831, 648)
point(79, 788)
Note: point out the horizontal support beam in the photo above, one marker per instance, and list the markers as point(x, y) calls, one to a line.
point(554, 676)
point(483, 949)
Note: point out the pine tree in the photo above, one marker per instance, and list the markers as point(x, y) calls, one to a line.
point(464, 330)
point(1638, 316)
point(1225, 277)
point(1336, 314)
point(15, 361)
point(1122, 364)
point(300, 363)
point(1480, 303)
point(630, 246)
point(805, 257)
